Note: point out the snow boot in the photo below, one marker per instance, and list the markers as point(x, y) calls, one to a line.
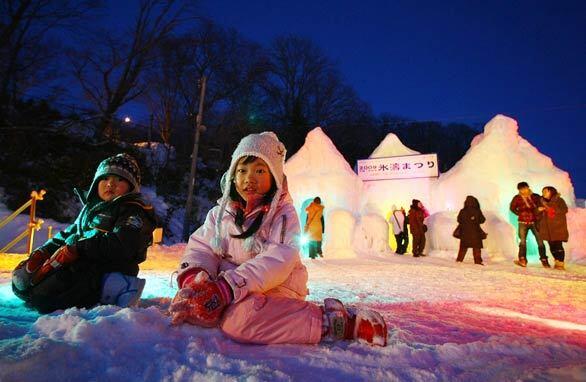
point(121, 290)
point(543, 257)
point(559, 265)
point(522, 262)
point(363, 325)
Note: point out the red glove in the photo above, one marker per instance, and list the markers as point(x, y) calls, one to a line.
point(201, 302)
point(64, 255)
point(36, 259)
point(23, 273)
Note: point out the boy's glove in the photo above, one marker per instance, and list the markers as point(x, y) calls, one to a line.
point(201, 302)
point(23, 273)
point(64, 255)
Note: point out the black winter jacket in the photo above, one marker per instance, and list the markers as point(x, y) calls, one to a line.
point(113, 235)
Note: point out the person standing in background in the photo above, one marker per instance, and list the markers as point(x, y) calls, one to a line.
point(314, 227)
point(417, 214)
point(399, 223)
point(553, 226)
point(524, 205)
point(469, 232)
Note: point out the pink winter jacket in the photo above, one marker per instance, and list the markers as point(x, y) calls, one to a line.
point(275, 270)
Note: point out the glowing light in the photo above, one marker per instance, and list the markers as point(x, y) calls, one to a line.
point(500, 312)
point(303, 239)
point(127, 120)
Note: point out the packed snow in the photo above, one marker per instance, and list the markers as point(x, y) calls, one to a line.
point(448, 322)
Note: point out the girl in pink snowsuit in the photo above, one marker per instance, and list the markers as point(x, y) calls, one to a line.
point(241, 269)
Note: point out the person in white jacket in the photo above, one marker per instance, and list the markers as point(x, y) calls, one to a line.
point(241, 269)
point(399, 222)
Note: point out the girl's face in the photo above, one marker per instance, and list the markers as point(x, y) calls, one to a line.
point(546, 193)
point(112, 186)
point(253, 180)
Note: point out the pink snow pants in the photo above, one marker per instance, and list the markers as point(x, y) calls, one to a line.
point(270, 319)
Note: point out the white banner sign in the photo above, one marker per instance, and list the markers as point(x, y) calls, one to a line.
point(402, 167)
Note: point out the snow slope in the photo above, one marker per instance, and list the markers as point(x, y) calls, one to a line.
point(449, 322)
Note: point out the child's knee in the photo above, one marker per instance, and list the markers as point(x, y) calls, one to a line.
point(239, 317)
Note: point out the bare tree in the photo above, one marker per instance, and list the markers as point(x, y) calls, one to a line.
point(234, 67)
point(297, 66)
point(111, 72)
point(305, 90)
point(27, 48)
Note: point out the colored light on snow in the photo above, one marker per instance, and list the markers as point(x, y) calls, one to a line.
point(6, 294)
point(500, 312)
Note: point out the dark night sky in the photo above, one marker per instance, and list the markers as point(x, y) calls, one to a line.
point(462, 61)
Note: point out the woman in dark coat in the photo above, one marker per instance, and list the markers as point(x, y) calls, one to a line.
point(553, 226)
point(471, 235)
point(417, 214)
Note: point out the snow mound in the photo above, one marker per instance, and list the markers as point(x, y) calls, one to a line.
point(499, 244)
point(318, 169)
point(338, 234)
point(576, 247)
point(497, 160)
point(391, 146)
point(371, 236)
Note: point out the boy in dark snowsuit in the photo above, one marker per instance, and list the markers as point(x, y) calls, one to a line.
point(525, 205)
point(94, 260)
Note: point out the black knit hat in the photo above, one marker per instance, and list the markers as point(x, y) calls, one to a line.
point(122, 165)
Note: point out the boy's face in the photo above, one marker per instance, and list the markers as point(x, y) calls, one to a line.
point(525, 191)
point(252, 180)
point(112, 186)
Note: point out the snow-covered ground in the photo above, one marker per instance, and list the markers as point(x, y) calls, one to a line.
point(448, 322)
